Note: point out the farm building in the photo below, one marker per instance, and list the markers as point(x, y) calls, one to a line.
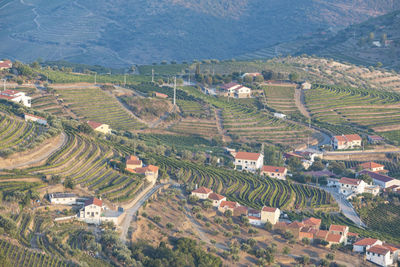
point(31, 117)
point(382, 180)
point(94, 212)
point(280, 115)
point(349, 186)
point(274, 172)
point(202, 192)
point(216, 199)
point(382, 255)
point(252, 74)
point(247, 161)
point(346, 141)
point(373, 167)
point(99, 127)
point(361, 246)
point(63, 198)
point(306, 86)
point(227, 205)
point(5, 64)
point(160, 95)
point(235, 90)
point(17, 97)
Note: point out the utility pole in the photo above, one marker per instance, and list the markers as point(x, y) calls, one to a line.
point(174, 91)
point(152, 75)
point(95, 77)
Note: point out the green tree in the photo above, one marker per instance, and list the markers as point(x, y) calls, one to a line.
point(68, 183)
point(294, 77)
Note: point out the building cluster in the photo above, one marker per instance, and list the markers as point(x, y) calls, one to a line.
point(17, 97)
point(135, 165)
point(253, 162)
point(377, 252)
point(348, 141)
point(256, 217)
point(235, 90)
point(350, 187)
point(5, 64)
point(306, 157)
point(92, 211)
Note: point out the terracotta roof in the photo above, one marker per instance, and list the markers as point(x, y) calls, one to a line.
point(247, 155)
point(391, 248)
point(353, 137)
point(5, 64)
point(371, 165)
point(377, 176)
point(352, 234)
point(229, 204)
point(202, 190)
point(131, 157)
point(296, 224)
point(215, 196)
point(334, 238)
point(228, 85)
point(321, 234)
point(94, 201)
point(152, 168)
point(6, 97)
point(94, 124)
point(141, 170)
point(281, 224)
point(9, 92)
point(366, 242)
point(378, 249)
point(339, 228)
point(345, 180)
point(266, 168)
point(240, 210)
point(340, 138)
point(133, 162)
point(254, 218)
point(269, 209)
point(312, 221)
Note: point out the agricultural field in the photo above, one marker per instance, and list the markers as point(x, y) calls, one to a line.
point(94, 104)
point(361, 108)
point(248, 189)
point(281, 98)
point(194, 109)
point(17, 135)
point(20, 256)
point(48, 103)
point(85, 162)
point(198, 127)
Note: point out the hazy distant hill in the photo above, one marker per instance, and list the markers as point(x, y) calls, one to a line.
point(122, 32)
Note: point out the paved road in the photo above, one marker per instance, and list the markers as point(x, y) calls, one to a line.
point(345, 206)
point(130, 213)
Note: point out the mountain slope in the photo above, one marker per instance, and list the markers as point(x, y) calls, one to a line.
point(123, 32)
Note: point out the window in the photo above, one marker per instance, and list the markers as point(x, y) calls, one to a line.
point(87, 213)
point(97, 213)
point(245, 161)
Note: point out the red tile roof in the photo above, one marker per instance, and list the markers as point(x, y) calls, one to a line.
point(215, 196)
point(366, 242)
point(378, 249)
point(352, 234)
point(350, 181)
point(152, 168)
point(254, 218)
point(202, 190)
point(9, 92)
point(266, 168)
point(133, 162)
point(229, 204)
point(312, 221)
point(131, 157)
point(6, 97)
point(5, 64)
point(353, 137)
point(371, 165)
point(240, 210)
point(377, 176)
point(334, 238)
point(94, 201)
point(228, 85)
point(391, 248)
point(247, 156)
point(34, 116)
point(269, 209)
point(321, 234)
point(296, 224)
point(338, 228)
point(94, 124)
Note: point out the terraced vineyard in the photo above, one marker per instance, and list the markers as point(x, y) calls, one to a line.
point(19, 256)
point(190, 126)
point(86, 162)
point(94, 104)
point(48, 103)
point(18, 135)
point(194, 109)
point(281, 98)
point(248, 189)
point(377, 110)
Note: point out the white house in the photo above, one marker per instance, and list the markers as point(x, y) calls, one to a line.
point(91, 211)
point(382, 180)
point(247, 161)
point(5, 64)
point(202, 192)
point(274, 172)
point(348, 141)
point(255, 220)
point(372, 166)
point(216, 199)
point(99, 127)
point(349, 186)
point(31, 117)
point(63, 198)
point(306, 86)
point(361, 246)
point(269, 214)
point(280, 115)
point(17, 97)
point(333, 182)
point(380, 255)
point(235, 90)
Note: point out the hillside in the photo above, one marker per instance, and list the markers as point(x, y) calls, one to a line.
point(122, 33)
point(362, 44)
